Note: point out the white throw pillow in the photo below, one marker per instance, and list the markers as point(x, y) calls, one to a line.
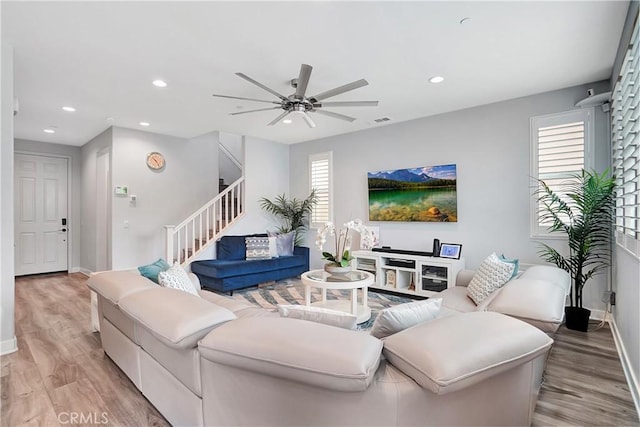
point(319, 315)
point(492, 275)
point(176, 278)
point(403, 316)
point(273, 247)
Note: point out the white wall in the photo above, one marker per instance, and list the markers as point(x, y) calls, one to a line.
point(88, 225)
point(166, 197)
point(8, 342)
point(74, 196)
point(490, 146)
point(266, 175)
point(227, 168)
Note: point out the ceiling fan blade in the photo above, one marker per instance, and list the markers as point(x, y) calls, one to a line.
point(260, 85)
point(335, 115)
point(253, 111)
point(347, 104)
point(303, 80)
point(280, 117)
point(308, 120)
point(246, 99)
point(339, 90)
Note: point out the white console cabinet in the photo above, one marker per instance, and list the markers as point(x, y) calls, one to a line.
point(409, 274)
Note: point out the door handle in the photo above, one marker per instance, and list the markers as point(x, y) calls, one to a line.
point(64, 230)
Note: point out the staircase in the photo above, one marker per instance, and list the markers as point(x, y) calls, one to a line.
point(187, 240)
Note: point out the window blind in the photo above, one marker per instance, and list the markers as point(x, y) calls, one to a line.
point(320, 180)
point(560, 148)
point(625, 144)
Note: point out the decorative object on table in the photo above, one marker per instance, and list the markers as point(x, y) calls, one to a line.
point(426, 194)
point(450, 250)
point(155, 161)
point(342, 255)
point(371, 239)
point(390, 278)
point(582, 208)
point(293, 212)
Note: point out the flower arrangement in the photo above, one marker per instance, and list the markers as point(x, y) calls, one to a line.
point(342, 255)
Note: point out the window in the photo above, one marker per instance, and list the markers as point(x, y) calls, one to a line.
point(625, 145)
point(320, 179)
point(561, 145)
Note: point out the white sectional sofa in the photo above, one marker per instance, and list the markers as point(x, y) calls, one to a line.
point(211, 360)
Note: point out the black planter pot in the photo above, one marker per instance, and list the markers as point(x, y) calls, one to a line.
point(577, 318)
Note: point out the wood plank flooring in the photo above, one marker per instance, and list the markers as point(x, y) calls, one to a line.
point(60, 370)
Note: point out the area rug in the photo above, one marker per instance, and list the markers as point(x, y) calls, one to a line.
point(291, 291)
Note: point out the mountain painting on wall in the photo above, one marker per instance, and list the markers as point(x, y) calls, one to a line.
point(426, 194)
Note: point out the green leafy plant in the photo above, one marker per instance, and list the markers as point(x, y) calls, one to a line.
point(582, 208)
point(292, 212)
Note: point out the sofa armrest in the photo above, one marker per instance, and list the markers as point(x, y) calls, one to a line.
point(296, 350)
point(464, 277)
point(452, 353)
point(301, 250)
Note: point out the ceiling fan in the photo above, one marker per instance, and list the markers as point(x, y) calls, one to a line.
point(299, 104)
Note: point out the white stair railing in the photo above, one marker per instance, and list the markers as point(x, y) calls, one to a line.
point(185, 241)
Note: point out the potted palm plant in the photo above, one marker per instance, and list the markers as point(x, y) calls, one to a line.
point(582, 208)
point(292, 212)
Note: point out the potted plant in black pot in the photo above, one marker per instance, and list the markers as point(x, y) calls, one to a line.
point(582, 208)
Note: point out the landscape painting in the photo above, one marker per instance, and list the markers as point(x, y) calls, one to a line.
point(426, 194)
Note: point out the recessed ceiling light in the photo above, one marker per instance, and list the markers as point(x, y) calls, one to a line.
point(436, 79)
point(49, 131)
point(69, 109)
point(159, 83)
point(145, 124)
point(287, 121)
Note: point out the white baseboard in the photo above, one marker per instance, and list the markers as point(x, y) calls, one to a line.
point(84, 271)
point(634, 386)
point(8, 346)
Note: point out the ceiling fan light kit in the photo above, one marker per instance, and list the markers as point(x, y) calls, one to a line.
point(297, 104)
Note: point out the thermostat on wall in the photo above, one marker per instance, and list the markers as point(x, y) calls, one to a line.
point(122, 190)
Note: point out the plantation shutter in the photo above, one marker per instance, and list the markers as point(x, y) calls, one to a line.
point(625, 144)
point(559, 150)
point(320, 180)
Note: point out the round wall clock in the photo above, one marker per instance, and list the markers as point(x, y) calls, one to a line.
point(155, 161)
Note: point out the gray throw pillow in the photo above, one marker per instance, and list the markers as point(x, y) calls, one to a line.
point(284, 242)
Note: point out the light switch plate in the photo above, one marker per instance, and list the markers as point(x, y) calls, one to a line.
point(122, 190)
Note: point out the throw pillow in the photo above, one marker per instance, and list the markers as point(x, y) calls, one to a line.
point(151, 271)
point(257, 247)
point(515, 262)
point(403, 316)
point(492, 275)
point(319, 315)
point(273, 246)
point(176, 278)
point(284, 242)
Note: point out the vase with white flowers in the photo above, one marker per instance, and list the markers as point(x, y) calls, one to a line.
point(339, 260)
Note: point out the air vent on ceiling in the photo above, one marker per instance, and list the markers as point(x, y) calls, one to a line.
point(382, 119)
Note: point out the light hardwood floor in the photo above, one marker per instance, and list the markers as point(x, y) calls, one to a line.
point(60, 370)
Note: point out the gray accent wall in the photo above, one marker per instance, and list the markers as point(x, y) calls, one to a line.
point(75, 205)
point(166, 197)
point(491, 148)
point(7, 282)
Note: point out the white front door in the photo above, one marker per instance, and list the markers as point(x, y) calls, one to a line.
point(41, 226)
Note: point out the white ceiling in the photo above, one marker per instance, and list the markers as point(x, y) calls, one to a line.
point(100, 57)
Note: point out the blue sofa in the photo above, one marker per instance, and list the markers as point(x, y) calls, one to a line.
point(231, 270)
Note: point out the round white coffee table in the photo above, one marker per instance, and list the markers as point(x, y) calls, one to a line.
point(352, 281)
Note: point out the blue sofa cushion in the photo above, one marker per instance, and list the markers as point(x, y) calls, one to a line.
point(228, 268)
point(233, 248)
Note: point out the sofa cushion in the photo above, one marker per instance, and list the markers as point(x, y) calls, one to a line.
point(223, 268)
point(177, 318)
point(176, 278)
point(326, 316)
point(492, 274)
point(151, 271)
point(400, 317)
point(457, 299)
point(549, 273)
point(229, 303)
point(537, 302)
point(315, 354)
point(115, 285)
point(452, 353)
